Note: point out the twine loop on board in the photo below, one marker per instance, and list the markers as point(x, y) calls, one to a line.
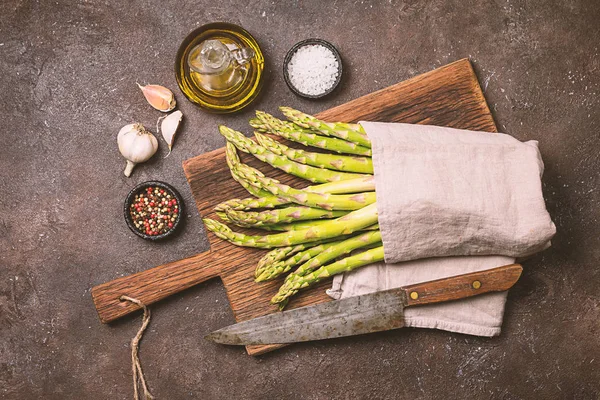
point(136, 366)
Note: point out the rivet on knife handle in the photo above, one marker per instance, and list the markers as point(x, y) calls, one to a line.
point(461, 286)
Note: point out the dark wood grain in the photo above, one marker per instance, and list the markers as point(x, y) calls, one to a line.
point(448, 96)
point(462, 286)
point(152, 285)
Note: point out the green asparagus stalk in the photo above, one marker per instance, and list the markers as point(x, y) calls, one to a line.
point(248, 178)
point(310, 122)
point(277, 254)
point(250, 203)
point(357, 185)
point(362, 165)
point(223, 216)
point(280, 215)
point(291, 167)
point(295, 283)
point(318, 200)
point(267, 123)
point(340, 187)
point(265, 198)
point(275, 268)
point(233, 160)
point(253, 190)
point(345, 247)
point(345, 225)
point(281, 253)
point(350, 132)
point(295, 226)
point(365, 183)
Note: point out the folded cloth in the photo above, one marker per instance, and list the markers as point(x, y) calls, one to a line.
point(472, 200)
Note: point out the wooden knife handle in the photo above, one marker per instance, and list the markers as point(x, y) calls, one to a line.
point(152, 285)
point(462, 286)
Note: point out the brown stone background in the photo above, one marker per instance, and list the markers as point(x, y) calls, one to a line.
point(67, 77)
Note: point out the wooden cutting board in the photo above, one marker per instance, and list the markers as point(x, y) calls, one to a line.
point(448, 96)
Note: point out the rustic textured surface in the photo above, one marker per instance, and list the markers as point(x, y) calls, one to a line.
point(67, 70)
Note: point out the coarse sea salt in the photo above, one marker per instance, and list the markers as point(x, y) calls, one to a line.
point(313, 69)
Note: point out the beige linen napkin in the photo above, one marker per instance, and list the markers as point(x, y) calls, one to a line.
point(451, 201)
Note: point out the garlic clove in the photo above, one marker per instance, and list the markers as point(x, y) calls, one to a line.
point(168, 127)
point(136, 144)
point(159, 97)
point(129, 168)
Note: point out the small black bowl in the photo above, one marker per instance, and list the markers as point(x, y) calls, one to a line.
point(140, 188)
point(308, 42)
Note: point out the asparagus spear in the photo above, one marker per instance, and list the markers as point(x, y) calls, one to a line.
point(249, 203)
point(254, 190)
point(275, 268)
point(365, 183)
point(277, 254)
point(269, 201)
point(322, 160)
point(248, 178)
point(351, 132)
point(357, 185)
point(318, 200)
point(295, 226)
point(280, 215)
point(267, 123)
point(291, 167)
point(265, 198)
point(272, 256)
point(320, 258)
point(357, 242)
point(340, 187)
point(223, 216)
point(247, 175)
point(295, 283)
point(345, 225)
point(233, 160)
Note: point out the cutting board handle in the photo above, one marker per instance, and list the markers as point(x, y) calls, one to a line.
point(152, 285)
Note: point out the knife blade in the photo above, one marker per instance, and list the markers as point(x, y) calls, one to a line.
point(367, 313)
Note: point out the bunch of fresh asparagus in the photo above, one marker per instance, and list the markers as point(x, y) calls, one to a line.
point(316, 227)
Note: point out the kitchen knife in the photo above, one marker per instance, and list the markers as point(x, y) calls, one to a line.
point(367, 313)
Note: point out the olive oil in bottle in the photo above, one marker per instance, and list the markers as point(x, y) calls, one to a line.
point(219, 67)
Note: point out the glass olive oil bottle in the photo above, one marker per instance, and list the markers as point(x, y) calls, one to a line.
point(219, 67)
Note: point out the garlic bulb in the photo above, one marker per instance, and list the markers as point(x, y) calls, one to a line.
point(136, 144)
point(159, 97)
point(168, 127)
